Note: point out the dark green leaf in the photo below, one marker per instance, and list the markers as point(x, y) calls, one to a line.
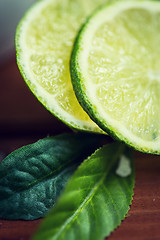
point(32, 177)
point(94, 202)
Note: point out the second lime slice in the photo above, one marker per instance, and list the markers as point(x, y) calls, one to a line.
point(116, 71)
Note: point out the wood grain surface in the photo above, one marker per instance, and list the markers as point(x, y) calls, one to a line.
point(24, 120)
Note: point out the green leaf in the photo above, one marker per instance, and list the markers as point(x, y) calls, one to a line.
point(95, 199)
point(32, 177)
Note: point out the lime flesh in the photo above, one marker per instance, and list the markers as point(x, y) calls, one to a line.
point(44, 40)
point(116, 71)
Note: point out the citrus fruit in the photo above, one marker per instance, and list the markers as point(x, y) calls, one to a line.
point(44, 40)
point(115, 68)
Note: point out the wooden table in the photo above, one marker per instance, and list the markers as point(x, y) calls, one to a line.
point(24, 120)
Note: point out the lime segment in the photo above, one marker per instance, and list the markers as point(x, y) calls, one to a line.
point(116, 71)
point(44, 40)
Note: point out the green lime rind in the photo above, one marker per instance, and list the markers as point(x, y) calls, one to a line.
point(41, 94)
point(91, 109)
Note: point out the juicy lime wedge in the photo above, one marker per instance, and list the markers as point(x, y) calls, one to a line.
point(116, 71)
point(44, 40)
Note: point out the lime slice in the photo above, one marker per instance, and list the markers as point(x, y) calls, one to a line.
point(116, 71)
point(44, 40)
